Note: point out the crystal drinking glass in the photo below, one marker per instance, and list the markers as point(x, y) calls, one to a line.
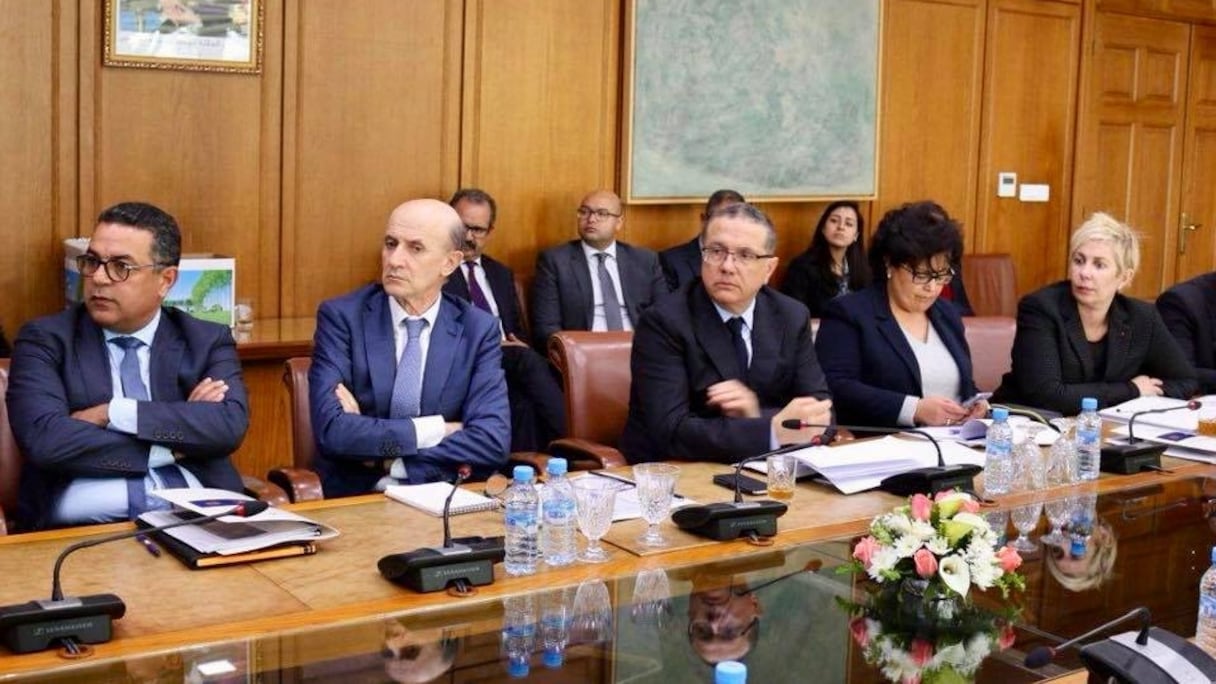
point(651, 598)
point(1025, 519)
point(999, 520)
point(1061, 467)
point(656, 484)
point(595, 498)
point(1059, 511)
point(592, 613)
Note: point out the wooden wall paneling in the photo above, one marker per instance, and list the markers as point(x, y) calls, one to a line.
point(1192, 10)
point(1199, 164)
point(1030, 88)
point(933, 73)
point(1130, 162)
point(541, 96)
point(371, 119)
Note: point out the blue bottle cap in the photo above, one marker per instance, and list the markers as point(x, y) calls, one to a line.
point(522, 473)
point(553, 657)
point(730, 672)
point(1000, 414)
point(1089, 404)
point(557, 466)
point(1214, 555)
point(1077, 548)
point(518, 668)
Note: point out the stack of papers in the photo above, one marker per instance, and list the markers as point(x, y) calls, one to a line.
point(864, 464)
point(1177, 420)
point(232, 535)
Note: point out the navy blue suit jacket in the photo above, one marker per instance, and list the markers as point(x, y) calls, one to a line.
point(681, 347)
point(1189, 311)
point(682, 263)
point(60, 365)
point(463, 381)
point(870, 365)
point(502, 286)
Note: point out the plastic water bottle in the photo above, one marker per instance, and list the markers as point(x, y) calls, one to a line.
point(555, 626)
point(559, 531)
point(730, 672)
point(1205, 630)
point(522, 542)
point(1089, 440)
point(998, 449)
point(518, 633)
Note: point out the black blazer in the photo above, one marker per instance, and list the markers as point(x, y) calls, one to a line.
point(502, 286)
point(869, 364)
point(1052, 366)
point(1189, 311)
point(682, 263)
point(681, 347)
point(562, 298)
point(804, 282)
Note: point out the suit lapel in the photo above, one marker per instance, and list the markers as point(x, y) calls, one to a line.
point(629, 284)
point(714, 336)
point(1118, 340)
point(380, 351)
point(165, 358)
point(582, 277)
point(93, 360)
point(445, 340)
point(766, 343)
point(889, 328)
point(458, 285)
point(1076, 334)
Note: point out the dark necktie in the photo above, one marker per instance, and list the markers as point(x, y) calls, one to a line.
point(407, 386)
point(736, 336)
point(612, 305)
point(475, 294)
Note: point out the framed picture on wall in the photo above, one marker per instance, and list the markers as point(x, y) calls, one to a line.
point(194, 35)
point(777, 99)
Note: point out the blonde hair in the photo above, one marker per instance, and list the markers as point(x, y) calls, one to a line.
point(1103, 227)
point(1101, 562)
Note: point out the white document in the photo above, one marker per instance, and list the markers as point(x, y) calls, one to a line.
point(626, 505)
point(862, 465)
point(233, 534)
point(1182, 443)
point(1178, 420)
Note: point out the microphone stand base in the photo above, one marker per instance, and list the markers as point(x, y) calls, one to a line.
point(932, 480)
point(1129, 459)
point(427, 570)
point(35, 626)
point(1166, 658)
point(726, 521)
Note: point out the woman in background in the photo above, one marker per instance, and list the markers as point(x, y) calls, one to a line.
point(894, 353)
point(834, 264)
point(1081, 338)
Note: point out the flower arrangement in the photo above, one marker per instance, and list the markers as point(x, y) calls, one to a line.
point(941, 543)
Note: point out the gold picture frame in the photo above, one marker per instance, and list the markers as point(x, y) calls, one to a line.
point(220, 36)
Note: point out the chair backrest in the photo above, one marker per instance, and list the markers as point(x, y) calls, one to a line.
point(991, 341)
point(595, 374)
point(992, 287)
point(521, 298)
point(295, 376)
point(10, 457)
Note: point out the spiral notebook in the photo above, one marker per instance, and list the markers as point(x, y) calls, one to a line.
point(429, 498)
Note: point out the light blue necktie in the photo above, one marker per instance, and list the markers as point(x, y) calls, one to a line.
point(407, 386)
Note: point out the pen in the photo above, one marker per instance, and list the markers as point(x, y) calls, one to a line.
point(149, 545)
point(620, 478)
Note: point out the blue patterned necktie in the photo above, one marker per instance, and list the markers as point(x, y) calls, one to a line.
point(407, 386)
point(612, 305)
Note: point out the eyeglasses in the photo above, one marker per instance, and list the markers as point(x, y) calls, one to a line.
point(601, 214)
point(702, 630)
point(479, 231)
point(117, 270)
point(716, 255)
point(924, 277)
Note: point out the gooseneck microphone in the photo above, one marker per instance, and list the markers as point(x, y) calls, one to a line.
point(1041, 655)
point(460, 564)
point(723, 521)
point(1137, 455)
point(929, 480)
point(34, 626)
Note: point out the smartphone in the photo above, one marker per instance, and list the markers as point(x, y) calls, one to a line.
point(979, 396)
point(747, 485)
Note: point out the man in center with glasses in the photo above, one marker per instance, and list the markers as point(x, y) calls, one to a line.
point(719, 365)
point(119, 396)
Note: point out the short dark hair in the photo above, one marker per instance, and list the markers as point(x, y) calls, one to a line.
point(166, 236)
point(721, 197)
point(476, 196)
point(912, 234)
point(854, 254)
point(749, 212)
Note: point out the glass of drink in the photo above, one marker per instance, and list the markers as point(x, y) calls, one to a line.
point(1207, 420)
point(781, 470)
point(656, 484)
point(1025, 519)
point(594, 498)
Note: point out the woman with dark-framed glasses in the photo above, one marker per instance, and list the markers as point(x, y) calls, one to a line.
point(894, 353)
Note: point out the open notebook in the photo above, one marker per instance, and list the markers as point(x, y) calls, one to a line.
point(429, 498)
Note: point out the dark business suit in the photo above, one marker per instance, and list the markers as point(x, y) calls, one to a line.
point(869, 364)
point(562, 295)
point(61, 365)
point(682, 263)
point(806, 283)
point(462, 381)
point(1053, 367)
point(538, 411)
point(681, 347)
point(1189, 311)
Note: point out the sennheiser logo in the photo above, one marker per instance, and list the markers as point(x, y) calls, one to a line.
point(51, 630)
point(453, 571)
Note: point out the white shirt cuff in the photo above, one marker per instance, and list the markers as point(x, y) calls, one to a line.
point(429, 431)
point(124, 415)
point(907, 414)
point(160, 456)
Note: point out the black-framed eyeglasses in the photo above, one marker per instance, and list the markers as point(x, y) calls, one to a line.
point(601, 214)
point(703, 630)
point(117, 269)
point(942, 277)
point(479, 231)
point(716, 255)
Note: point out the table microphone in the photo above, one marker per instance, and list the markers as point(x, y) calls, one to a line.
point(34, 626)
point(1136, 455)
point(464, 563)
point(726, 520)
point(929, 480)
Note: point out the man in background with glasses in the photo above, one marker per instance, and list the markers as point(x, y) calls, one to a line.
point(119, 396)
point(720, 364)
point(596, 282)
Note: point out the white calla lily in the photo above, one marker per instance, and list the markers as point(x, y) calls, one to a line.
point(955, 574)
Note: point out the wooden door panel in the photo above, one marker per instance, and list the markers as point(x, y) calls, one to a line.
point(1153, 203)
point(1199, 165)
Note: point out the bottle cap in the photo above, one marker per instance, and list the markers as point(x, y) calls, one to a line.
point(730, 672)
point(1077, 548)
point(1000, 414)
point(1214, 555)
point(1089, 404)
point(556, 466)
point(522, 473)
point(518, 668)
point(553, 657)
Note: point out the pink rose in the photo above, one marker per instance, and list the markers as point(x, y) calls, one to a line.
point(921, 507)
point(1009, 558)
point(910, 679)
point(921, 652)
point(944, 493)
point(971, 506)
point(857, 627)
point(926, 563)
point(865, 549)
point(1006, 637)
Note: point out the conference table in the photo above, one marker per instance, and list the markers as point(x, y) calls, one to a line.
point(331, 617)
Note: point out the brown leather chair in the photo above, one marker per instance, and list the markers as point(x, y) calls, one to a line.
point(992, 287)
point(595, 376)
point(991, 341)
point(10, 458)
point(299, 480)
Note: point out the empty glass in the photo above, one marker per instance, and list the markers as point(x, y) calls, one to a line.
point(1059, 511)
point(1025, 519)
point(1061, 467)
point(651, 598)
point(656, 485)
point(592, 613)
point(595, 498)
point(999, 520)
